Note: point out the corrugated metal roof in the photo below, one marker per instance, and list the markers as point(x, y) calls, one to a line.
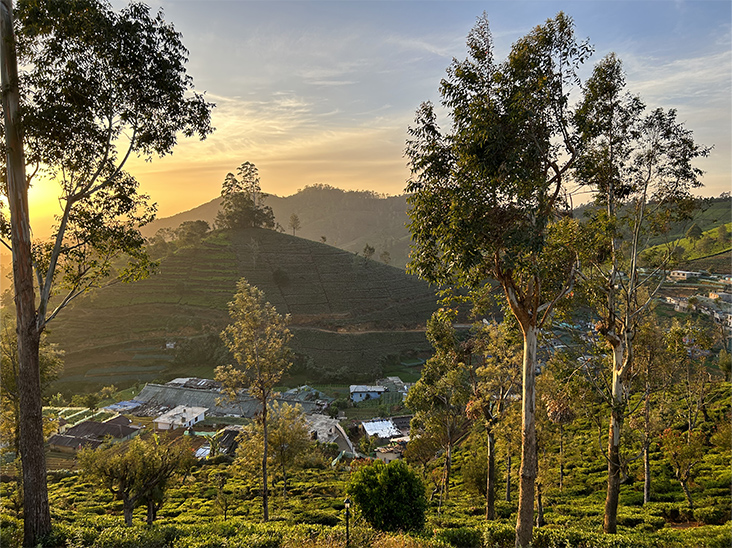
point(366, 388)
point(100, 430)
point(383, 428)
point(216, 402)
point(60, 440)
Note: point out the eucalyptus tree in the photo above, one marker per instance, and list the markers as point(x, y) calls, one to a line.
point(657, 372)
point(288, 438)
point(95, 87)
point(242, 204)
point(495, 380)
point(257, 338)
point(487, 195)
point(439, 398)
point(639, 166)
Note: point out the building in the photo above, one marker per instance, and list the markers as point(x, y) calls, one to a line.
point(393, 451)
point(721, 295)
point(361, 392)
point(181, 416)
point(396, 385)
point(93, 434)
point(683, 275)
point(384, 429)
point(154, 398)
point(327, 430)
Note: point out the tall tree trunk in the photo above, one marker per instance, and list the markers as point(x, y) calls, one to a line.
point(647, 446)
point(490, 490)
point(284, 479)
point(265, 487)
point(561, 457)
point(610, 524)
point(127, 508)
point(508, 478)
point(539, 507)
point(448, 470)
point(525, 518)
point(151, 512)
point(37, 517)
point(685, 486)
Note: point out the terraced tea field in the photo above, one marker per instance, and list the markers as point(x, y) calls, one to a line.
point(349, 314)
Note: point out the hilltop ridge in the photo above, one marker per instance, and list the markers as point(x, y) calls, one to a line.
point(347, 219)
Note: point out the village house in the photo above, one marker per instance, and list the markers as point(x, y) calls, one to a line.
point(393, 451)
point(195, 392)
point(683, 275)
point(93, 434)
point(383, 429)
point(361, 392)
point(721, 295)
point(324, 429)
point(180, 416)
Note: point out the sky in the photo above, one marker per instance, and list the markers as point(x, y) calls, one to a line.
point(324, 92)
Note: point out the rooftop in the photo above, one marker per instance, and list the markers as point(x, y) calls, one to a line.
point(383, 428)
point(366, 388)
point(181, 414)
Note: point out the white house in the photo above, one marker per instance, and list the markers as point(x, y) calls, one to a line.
point(182, 416)
point(361, 392)
point(683, 275)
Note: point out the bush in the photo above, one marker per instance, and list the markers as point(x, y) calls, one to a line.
point(391, 497)
point(711, 515)
point(11, 531)
point(462, 537)
point(566, 538)
point(498, 535)
point(320, 518)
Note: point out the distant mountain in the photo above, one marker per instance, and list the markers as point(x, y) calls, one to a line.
point(347, 219)
point(349, 314)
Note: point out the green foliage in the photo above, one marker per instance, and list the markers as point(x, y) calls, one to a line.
point(138, 472)
point(390, 497)
point(207, 348)
point(460, 537)
point(257, 338)
point(498, 535)
point(329, 298)
point(242, 205)
point(712, 515)
point(191, 232)
point(51, 365)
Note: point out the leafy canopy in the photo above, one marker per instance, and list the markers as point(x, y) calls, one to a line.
point(391, 497)
point(487, 193)
point(257, 338)
point(97, 86)
point(243, 201)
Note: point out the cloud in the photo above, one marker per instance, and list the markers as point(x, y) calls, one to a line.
point(681, 79)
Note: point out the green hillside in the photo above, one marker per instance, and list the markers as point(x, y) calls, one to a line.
point(349, 314)
point(708, 252)
point(347, 219)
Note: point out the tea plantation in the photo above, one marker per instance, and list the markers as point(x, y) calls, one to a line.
point(201, 512)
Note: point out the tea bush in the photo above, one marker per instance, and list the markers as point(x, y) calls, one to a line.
point(461, 537)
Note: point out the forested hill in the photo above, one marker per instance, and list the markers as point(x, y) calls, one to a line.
point(348, 313)
point(348, 220)
point(711, 213)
